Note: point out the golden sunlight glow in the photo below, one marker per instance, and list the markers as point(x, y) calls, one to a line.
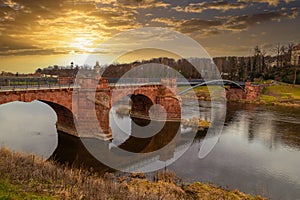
point(82, 44)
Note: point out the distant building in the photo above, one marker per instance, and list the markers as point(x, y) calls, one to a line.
point(97, 67)
point(295, 55)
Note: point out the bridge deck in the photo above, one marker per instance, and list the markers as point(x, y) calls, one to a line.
point(116, 83)
point(24, 88)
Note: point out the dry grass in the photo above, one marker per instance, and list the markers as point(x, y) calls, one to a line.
point(47, 178)
point(195, 122)
point(35, 176)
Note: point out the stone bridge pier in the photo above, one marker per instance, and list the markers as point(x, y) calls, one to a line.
point(91, 105)
point(251, 92)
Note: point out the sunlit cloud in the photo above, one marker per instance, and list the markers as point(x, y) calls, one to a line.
point(141, 4)
point(270, 2)
point(73, 27)
point(214, 5)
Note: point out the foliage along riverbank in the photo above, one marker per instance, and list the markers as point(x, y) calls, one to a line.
point(29, 177)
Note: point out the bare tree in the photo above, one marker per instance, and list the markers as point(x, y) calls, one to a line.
point(290, 47)
point(289, 51)
point(276, 50)
point(263, 54)
point(283, 52)
point(295, 75)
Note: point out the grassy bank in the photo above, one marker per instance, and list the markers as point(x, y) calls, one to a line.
point(9, 191)
point(278, 94)
point(284, 94)
point(28, 177)
point(203, 92)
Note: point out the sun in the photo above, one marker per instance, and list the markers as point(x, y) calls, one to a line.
point(82, 44)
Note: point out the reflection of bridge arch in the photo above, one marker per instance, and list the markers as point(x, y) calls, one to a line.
point(58, 99)
point(212, 82)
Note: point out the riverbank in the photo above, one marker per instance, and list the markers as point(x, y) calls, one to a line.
point(29, 177)
point(281, 94)
point(276, 94)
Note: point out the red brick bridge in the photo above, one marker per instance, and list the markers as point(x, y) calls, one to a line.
point(83, 109)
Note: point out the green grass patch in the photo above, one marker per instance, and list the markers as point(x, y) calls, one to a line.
point(267, 98)
point(204, 92)
point(283, 91)
point(12, 192)
point(204, 89)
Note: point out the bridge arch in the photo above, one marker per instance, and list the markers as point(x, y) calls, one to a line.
point(65, 118)
point(140, 104)
point(140, 99)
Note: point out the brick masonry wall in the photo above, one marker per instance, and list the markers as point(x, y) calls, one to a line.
point(235, 94)
point(253, 91)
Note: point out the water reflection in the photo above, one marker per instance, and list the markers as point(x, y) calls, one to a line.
point(258, 151)
point(28, 127)
point(71, 151)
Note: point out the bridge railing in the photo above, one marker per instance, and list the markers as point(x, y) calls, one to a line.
point(136, 81)
point(133, 81)
point(25, 83)
point(40, 87)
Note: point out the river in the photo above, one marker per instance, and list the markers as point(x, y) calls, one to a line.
point(257, 152)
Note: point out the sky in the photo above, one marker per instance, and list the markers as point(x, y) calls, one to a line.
point(40, 33)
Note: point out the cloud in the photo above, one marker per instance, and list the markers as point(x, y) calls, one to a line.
point(243, 22)
point(202, 28)
point(140, 4)
point(8, 43)
point(53, 25)
point(270, 2)
point(11, 4)
point(21, 52)
point(167, 21)
point(194, 25)
point(43, 26)
point(214, 5)
point(11, 46)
